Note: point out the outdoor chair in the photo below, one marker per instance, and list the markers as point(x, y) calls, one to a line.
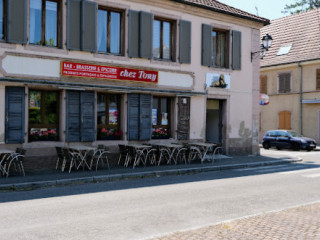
point(60, 156)
point(70, 158)
point(99, 156)
point(151, 155)
point(17, 160)
point(123, 153)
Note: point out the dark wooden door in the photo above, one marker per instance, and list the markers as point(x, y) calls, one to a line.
point(183, 118)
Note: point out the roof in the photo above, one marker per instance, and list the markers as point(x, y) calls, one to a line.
point(217, 6)
point(301, 30)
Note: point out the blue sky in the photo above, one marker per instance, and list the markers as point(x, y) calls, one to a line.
point(270, 9)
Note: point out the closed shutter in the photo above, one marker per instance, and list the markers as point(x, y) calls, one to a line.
point(183, 118)
point(318, 79)
point(145, 117)
point(146, 35)
point(263, 84)
point(133, 34)
point(74, 25)
point(185, 42)
point(73, 115)
point(206, 46)
point(236, 50)
point(89, 26)
point(284, 82)
point(87, 117)
point(15, 114)
point(133, 116)
point(285, 120)
point(17, 21)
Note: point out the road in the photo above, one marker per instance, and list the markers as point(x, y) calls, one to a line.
point(146, 208)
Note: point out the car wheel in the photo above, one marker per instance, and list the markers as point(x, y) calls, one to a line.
point(266, 145)
point(309, 149)
point(279, 148)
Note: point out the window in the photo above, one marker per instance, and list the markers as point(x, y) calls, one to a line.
point(285, 120)
point(43, 115)
point(284, 82)
point(162, 39)
point(108, 120)
point(44, 21)
point(2, 23)
point(161, 117)
point(318, 79)
point(109, 31)
point(220, 48)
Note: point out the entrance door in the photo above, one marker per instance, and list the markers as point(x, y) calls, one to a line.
point(214, 121)
point(183, 118)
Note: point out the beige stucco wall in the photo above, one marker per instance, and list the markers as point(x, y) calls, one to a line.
point(291, 101)
point(242, 96)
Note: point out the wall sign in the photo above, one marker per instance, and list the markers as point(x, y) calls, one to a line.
point(105, 72)
point(217, 80)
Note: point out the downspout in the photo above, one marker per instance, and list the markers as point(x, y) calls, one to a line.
point(300, 66)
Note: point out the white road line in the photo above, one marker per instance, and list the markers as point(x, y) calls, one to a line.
point(278, 169)
point(312, 175)
point(253, 168)
point(300, 171)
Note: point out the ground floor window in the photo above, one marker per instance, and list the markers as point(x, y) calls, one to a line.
point(161, 118)
point(108, 120)
point(43, 115)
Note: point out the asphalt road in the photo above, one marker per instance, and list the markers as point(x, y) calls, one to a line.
point(145, 208)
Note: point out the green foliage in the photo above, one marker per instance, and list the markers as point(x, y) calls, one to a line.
point(301, 6)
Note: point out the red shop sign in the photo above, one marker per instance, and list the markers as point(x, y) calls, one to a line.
point(106, 72)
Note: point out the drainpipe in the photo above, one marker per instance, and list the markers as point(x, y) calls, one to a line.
point(299, 65)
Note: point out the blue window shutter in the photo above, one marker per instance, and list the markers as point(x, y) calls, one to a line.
point(87, 117)
point(185, 41)
point(15, 115)
point(17, 21)
point(133, 116)
point(206, 46)
point(73, 124)
point(74, 24)
point(133, 34)
point(146, 35)
point(236, 50)
point(145, 117)
point(89, 26)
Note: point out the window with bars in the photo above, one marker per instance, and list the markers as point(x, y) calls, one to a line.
point(162, 39)
point(44, 22)
point(284, 82)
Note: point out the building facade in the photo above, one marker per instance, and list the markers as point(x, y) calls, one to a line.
point(112, 72)
point(290, 75)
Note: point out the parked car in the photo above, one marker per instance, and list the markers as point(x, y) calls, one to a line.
point(287, 139)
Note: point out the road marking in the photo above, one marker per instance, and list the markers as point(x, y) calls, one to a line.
point(312, 175)
point(300, 171)
point(253, 168)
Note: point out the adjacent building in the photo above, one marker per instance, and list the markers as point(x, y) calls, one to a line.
point(290, 75)
point(118, 71)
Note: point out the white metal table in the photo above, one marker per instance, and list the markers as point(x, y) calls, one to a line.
point(83, 151)
point(203, 148)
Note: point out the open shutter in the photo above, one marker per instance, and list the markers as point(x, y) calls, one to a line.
point(89, 26)
point(87, 117)
point(145, 117)
point(185, 41)
point(206, 46)
point(73, 126)
point(17, 21)
point(183, 118)
point(15, 114)
point(133, 116)
point(146, 35)
point(263, 84)
point(133, 34)
point(74, 25)
point(236, 50)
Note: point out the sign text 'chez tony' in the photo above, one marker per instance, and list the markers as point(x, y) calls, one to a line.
point(106, 72)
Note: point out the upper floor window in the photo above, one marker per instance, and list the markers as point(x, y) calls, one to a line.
point(220, 48)
point(318, 79)
point(284, 82)
point(162, 39)
point(44, 27)
point(1, 19)
point(109, 31)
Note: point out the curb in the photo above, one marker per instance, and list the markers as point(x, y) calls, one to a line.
point(139, 175)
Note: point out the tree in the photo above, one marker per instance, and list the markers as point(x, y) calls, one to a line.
point(301, 6)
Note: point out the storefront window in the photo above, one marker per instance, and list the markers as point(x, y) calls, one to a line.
point(43, 116)
point(161, 118)
point(108, 120)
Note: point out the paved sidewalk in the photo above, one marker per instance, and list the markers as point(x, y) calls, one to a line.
point(294, 223)
point(50, 178)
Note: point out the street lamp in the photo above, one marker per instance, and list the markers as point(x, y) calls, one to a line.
point(266, 44)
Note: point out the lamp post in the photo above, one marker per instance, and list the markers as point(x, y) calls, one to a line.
point(266, 44)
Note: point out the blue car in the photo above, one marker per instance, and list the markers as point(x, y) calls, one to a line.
point(287, 139)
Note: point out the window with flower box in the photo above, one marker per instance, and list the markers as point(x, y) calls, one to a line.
point(43, 115)
point(161, 118)
point(108, 120)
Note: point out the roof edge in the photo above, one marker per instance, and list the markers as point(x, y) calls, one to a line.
point(265, 23)
point(287, 63)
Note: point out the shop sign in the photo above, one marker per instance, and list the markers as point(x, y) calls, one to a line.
point(107, 72)
point(217, 80)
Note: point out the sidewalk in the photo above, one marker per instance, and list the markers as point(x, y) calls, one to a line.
point(294, 223)
point(50, 178)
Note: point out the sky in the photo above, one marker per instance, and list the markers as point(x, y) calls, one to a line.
point(270, 9)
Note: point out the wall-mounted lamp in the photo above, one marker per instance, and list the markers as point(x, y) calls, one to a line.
point(266, 44)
